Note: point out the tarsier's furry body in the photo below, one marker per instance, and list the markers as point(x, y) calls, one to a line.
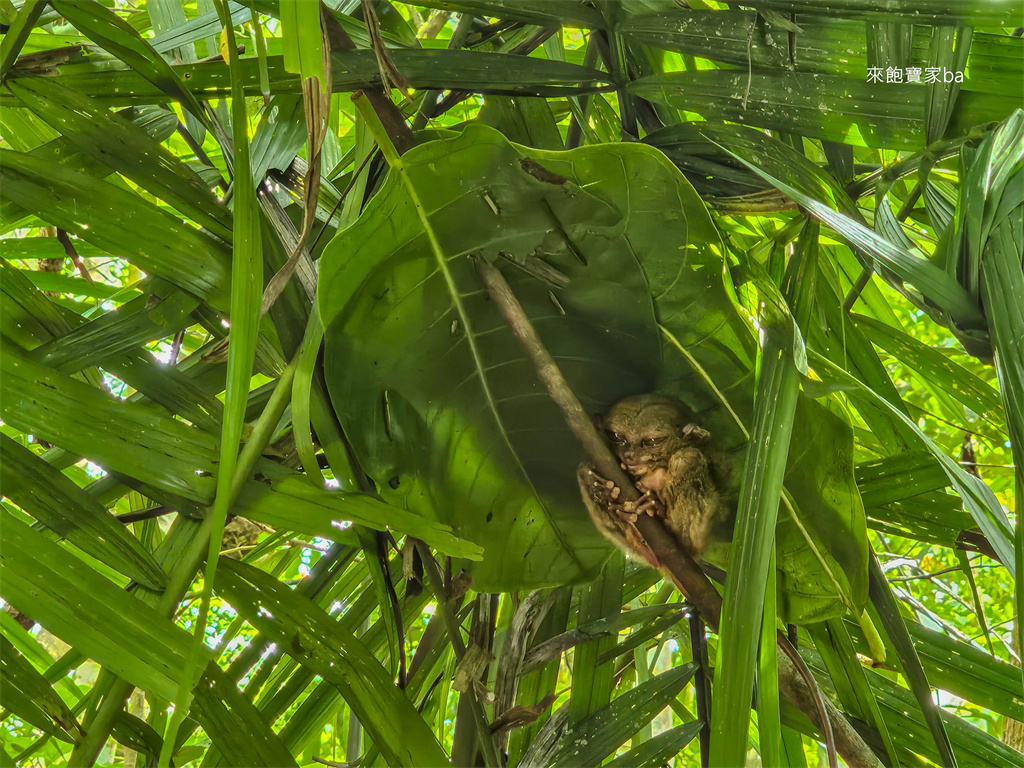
point(670, 458)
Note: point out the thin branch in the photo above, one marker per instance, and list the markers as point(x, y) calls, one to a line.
point(961, 427)
point(176, 343)
point(824, 720)
point(333, 764)
point(69, 249)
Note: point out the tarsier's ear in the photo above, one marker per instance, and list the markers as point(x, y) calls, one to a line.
point(695, 432)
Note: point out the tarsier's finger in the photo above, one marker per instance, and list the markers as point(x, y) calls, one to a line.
point(651, 506)
point(605, 486)
point(650, 503)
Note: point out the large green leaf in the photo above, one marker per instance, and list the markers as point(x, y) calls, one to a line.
point(412, 390)
point(446, 414)
point(823, 549)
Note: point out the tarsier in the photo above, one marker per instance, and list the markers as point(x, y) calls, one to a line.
point(671, 459)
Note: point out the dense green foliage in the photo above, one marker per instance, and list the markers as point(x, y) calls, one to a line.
point(242, 324)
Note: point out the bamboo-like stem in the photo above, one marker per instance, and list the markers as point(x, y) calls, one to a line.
point(678, 564)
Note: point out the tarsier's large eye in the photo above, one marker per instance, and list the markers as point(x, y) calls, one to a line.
point(650, 442)
point(614, 437)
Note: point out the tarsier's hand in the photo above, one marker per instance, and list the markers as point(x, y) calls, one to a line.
point(608, 495)
point(603, 491)
point(616, 518)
